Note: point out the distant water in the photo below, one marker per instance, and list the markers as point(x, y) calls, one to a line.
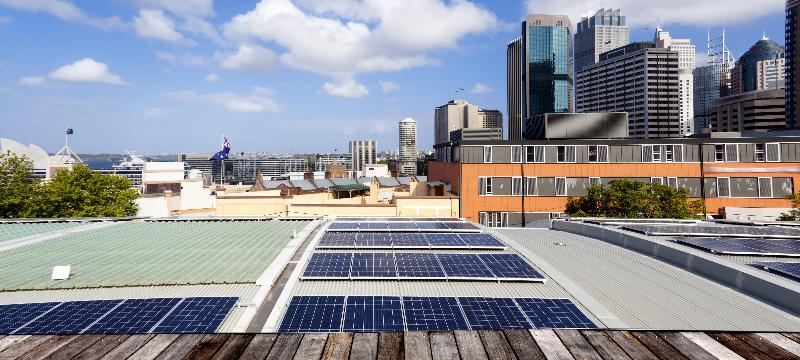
point(100, 164)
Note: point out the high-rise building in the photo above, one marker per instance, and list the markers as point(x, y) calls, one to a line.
point(640, 79)
point(539, 71)
point(605, 30)
point(686, 65)
point(759, 68)
point(711, 81)
point(459, 114)
point(760, 111)
point(407, 164)
point(323, 161)
point(363, 152)
point(792, 62)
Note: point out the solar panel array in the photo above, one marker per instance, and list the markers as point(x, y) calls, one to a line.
point(744, 246)
point(393, 219)
point(785, 268)
point(395, 313)
point(377, 240)
point(403, 226)
point(131, 316)
point(710, 230)
point(420, 266)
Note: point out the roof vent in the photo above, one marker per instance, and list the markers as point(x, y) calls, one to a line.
point(61, 272)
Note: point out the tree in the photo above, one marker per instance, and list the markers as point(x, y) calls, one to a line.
point(634, 199)
point(17, 185)
point(794, 214)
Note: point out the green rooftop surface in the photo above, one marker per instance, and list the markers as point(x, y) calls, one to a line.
point(20, 230)
point(150, 253)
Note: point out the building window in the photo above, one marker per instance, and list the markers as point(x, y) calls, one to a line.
point(561, 186)
point(657, 180)
point(516, 154)
point(761, 155)
point(485, 185)
point(773, 152)
point(765, 187)
point(530, 154)
point(719, 153)
point(487, 154)
point(669, 154)
point(656, 153)
point(530, 186)
point(594, 181)
point(731, 153)
point(565, 154)
point(672, 182)
point(516, 186)
point(723, 187)
point(493, 219)
point(539, 154)
point(598, 153)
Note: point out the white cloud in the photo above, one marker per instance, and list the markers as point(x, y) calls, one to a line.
point(64, 10)
point(33, 81)
point(262, 90)
point(87, 70)
point(213, 77)
point(5, 20)
point(348, 88)
point(701, 59)
point(233, 102)
point(153, 23)
point(252, 58)
point(647, 13)
point(480, 88)
point(187, 59)
point(389, 86)
point(181, 7)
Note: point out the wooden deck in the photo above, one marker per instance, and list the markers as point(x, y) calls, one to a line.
point(468, 345)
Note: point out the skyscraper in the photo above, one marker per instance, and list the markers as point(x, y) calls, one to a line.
point(759, 68)
point(792, 61)
point(459, 114)
point(363, 152)
point(711, 81)
point(539, 70)
point(407, 164)
point(686, 65)
point(605, 30)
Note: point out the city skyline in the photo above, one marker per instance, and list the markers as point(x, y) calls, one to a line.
point(155, 76)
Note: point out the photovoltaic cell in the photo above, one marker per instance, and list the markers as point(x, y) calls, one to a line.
point(481, 241)
point(373, 265)
point(373, 240)
point(709, 230)
point(337, 240)
point(409, 241)
point(328, 265)
point(70, 317)
point(313, 314)
point(446, 241)
point(433, 313)
point(13, 316)
point(197, 315)
point(554, 313)
point(744, 246)
point(464, 266)
point(785, 268)
point(134, 316)
point(418, 266)
point(373, 313)
point(510, 267)
point(493, 313)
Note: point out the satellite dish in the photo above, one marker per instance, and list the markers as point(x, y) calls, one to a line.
point(61, 272)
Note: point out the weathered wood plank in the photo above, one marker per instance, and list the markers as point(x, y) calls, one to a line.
point(128, 347)
point(686, 347)
point(577, 344)
point(311, 347)
point(766, 347)
point(551, 345)
point(390, 346)
point(11, 340)
point(657, 345)
point(101, 347)
point(469, 345)
point(417, 345)
point(167, 346)
point(443, 346)
point(48, 347)
point(75, 347)
point(259, 347)
point(782, 341)
point(234, 347)
point(365, 346)
point(285, 346)
point(523, 344)
point(338, 346)
point(712, 346)
point(496, 345)
point(18, 348)
point(604, 345)
point(738, 346)
point(632, 347)
point(207, 346)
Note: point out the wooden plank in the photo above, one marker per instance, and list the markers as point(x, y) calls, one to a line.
point(75, 347)
point(48, 347)
point(311, 347)
point(338, 346)
point(712, 346)
point(207, 346)
point(443, 346)
point(604, 345)
point(782, 341)
point(390, 346)
point(657, 345)
point(27, 344)
point(259, 347)
point(577, 344)
point(738, 346)
point(128, 347)
point(234, 347)
point(155, 346)
point(550, 344)
point(469, 345)
point(686, 347)
point(496, 345)
point(632, 347)
point(285, 346)
point(365, 346)
point(11, 340)
point(102, 347)
point(417, 345)
point(523, 344)
point(766, 346)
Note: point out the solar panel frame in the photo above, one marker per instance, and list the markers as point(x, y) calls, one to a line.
point(15, 316)
point(373, 266)
point(337, 240)
point(313, 314)
point(775, 232)
point(328, 266)
point(744, 246)
point(433, 313)
point(409, 241)
point(419, 266)
point(446, 241)
point(373, 314)
point(544, 313)
point(510, 267)
point(486, 313)
point(134, 316)
point(71, 317)
point(466, 267)
point(202, 315)
point(482, 241)
point(788, 269)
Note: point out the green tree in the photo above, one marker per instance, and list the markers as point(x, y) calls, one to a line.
point(634, 199)
point(794, 214)
point(17, 185)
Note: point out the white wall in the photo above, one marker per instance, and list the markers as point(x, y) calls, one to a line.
point(155, 172)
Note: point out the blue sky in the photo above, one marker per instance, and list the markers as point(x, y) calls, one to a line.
point(284, 75)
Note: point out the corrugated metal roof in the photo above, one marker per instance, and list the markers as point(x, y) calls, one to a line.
point(404, 180)
point(388, 181)
point(304, 185)
point(272, 184)
point(365, 180)
point(323, 183)
point(16, 231)
point(343, 181)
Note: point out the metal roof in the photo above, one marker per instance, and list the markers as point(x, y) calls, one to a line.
point(272, 184)
point(16, 231)
point(304, 185)
point(343, 181)
point(323, 183)
point(388, 181)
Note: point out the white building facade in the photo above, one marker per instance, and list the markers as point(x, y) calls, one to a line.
point(363, 152)
point(686, 65)
point(407, 164)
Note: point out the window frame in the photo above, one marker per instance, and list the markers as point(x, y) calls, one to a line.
point(599, 181)
point(555, 185)
point(566, 153)
point(766, 150)
point(518, 149)
point(762, 152)
point(518, 180)
point(528, 191)
point(760, 195)
point(672, 178)
point(717, 152)
point(657, 179)
point(487, 153)
point(653, 153)
point(728, 181)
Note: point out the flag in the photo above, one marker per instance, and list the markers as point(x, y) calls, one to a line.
point(223, 154)
point(70, 131)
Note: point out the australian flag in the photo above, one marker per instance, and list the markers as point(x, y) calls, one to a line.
point(70, 131)
point(223, 154)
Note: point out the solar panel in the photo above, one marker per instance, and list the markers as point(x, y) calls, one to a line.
point(554, 313)
point(464, 267)
point(373, 265)
point(744, 246)
point(446, 241)
point(313, 314)
point(785, 268)
point(433, 313)
point(481, 241)
point(70, 317)
point(711, 230)
point(373, 313)
point(337, 240)
point(13, 316)
point(397, 226)
point(328, 266)
point(510, 267)
point(409, 241)
point(134, 316)
point(418, 266)
point(197, 315)
point(373, 241)
point(493, 313)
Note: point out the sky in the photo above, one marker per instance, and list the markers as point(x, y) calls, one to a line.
point(298, 76)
